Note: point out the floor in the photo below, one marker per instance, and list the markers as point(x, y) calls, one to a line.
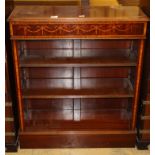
point(104, 151)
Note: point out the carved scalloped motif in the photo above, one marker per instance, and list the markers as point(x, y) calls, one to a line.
point(78, 29)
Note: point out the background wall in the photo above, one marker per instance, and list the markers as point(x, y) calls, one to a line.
point(79, 2)
point(46, 2)
point(129, 2)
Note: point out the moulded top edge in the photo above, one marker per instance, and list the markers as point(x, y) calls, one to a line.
point(77, 13)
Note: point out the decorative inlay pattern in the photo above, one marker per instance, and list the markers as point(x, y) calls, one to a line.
point(68, 29)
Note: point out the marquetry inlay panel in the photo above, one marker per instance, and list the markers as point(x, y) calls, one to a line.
point(77, 30)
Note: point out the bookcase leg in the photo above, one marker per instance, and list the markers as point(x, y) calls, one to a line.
point(142, 145)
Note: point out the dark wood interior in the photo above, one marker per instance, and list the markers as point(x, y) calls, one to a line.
point(77, 84)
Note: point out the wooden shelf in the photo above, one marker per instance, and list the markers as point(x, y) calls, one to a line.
point(77, 62)
point(121, 89)
point(77, 119)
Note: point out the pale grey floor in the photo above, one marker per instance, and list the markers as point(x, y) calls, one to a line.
point(103, 151)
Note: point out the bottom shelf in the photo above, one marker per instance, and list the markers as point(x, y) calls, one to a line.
point(77, 123)
point(78, 139)
point(47, 120)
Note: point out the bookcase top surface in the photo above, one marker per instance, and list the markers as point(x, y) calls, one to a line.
point(77, 13)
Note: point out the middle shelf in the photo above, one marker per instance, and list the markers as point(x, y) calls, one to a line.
point(77, 62)
point(49, 120)
point(77, 114)
point(110, 88)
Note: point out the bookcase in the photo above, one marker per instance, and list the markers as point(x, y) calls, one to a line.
point(78, 72)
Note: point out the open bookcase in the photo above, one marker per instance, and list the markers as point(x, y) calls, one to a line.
point(78, 79)
point(71, 83)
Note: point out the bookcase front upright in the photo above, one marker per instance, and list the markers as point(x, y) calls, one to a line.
point(78, 72)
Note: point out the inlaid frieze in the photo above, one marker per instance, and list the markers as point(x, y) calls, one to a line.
point(69, 30)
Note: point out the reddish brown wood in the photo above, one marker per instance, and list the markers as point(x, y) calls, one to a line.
point(10, 138)
point(78, 79)
point(8, 111)
point(112, 89)
point(73, 13)
point(84, 62)
point(145, 135)
point(146, 108)
point(138, 79)
point(78, 140)
point(64, 119)
point(145, 122)
point(82, 30)
point(67, 104)
point(143, 131)
point(9, 126)
point(18, 85)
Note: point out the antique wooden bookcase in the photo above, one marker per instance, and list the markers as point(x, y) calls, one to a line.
point(78, 72)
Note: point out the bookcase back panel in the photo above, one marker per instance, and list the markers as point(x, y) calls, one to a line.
point(105, 44)
point(69, 78)
point(47, 73)
point(67, 48)
point(68, 104)
point(77, 113)
point(106, 72)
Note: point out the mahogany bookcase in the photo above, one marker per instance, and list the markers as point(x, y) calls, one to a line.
point(78, 73)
